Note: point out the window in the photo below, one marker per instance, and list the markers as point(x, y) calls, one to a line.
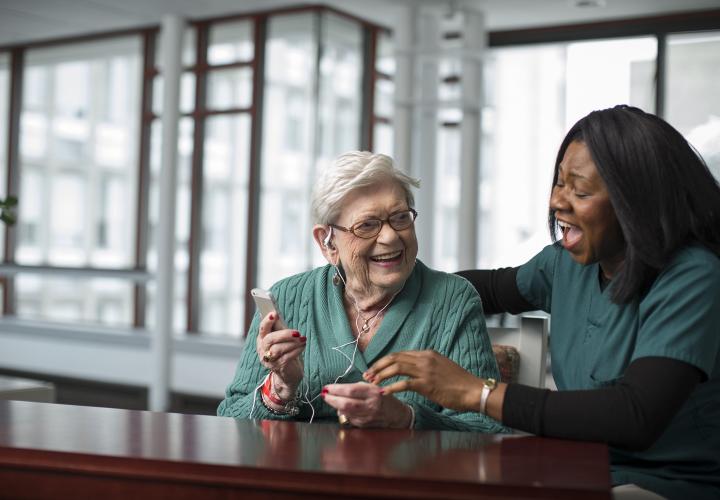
point(693, 69)
point(78, 181)
point(231, 42)
point(182, 221)
point(84, 117)
point(230, 88)
point(290, 76)
point(317, 130)
point(222, 259)
point(382, 140)
point(87, 300)
point(71, 145)
point(534, 95)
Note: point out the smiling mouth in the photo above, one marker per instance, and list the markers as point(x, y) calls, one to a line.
point(387, 257)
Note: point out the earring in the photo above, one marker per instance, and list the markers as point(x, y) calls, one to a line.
point(336, 279)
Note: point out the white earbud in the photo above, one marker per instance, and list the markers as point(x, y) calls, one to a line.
point(326, 241)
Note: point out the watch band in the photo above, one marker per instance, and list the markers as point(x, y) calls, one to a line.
point(488, 386)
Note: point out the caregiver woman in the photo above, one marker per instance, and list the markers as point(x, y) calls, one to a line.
point(633, 289)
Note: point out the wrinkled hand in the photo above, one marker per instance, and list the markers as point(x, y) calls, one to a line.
point(280, 351)
point(366, 405)
point(430, 374)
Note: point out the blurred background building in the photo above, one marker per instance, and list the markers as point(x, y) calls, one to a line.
point(471, 96)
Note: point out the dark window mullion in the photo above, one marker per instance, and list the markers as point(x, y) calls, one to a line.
point(368, 91)
point(660, 75)
point(196, 189)
point(143, 193)
point(17, 57)
point(256, 114)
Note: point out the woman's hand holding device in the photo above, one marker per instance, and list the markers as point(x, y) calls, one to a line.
point(278, 347)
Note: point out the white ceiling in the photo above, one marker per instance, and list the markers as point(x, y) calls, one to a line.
point(31, 20)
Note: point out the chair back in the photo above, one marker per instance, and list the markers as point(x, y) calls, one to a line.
point(530, 340)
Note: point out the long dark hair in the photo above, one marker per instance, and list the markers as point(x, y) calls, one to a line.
point(663, 194)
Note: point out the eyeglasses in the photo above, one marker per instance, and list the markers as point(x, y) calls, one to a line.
point(369, 228)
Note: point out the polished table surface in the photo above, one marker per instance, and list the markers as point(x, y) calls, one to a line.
point(62, 451)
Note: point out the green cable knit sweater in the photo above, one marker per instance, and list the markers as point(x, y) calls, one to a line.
point(435, 310)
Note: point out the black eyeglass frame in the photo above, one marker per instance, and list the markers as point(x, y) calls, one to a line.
point(352, 228)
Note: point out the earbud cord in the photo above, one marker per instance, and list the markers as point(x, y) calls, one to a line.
point(366, 327)
point(361, 332)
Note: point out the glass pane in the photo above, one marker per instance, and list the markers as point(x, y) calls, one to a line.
point(447, 192)
point(534, 94)
point(230, 88)
point(182, 220)
point(450, 71)
point(68, 197)
point(288, 165)
point(385, 54)
point(340, 87)
point(303, 134)
point(384, 96)
point(222, 258)
point(604, 73)
point(692, 100)
point(231, 42)
point(65, 299)
point(78, 152)
point(383, 137)
point(187, 93)
point(31, 241)
point(4, 117)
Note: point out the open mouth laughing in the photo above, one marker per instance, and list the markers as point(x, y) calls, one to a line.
point(571, 234)
point(387, 258)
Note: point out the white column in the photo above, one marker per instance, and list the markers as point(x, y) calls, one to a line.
point(424, 155)
point(474, 44)
point(171, 67)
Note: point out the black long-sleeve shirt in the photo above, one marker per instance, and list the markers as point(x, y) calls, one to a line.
point(630, 414)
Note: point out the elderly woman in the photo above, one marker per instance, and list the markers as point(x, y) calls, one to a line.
point(373, 298)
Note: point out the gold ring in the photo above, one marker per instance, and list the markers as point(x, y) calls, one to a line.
point(343, 420)
point(267, 357)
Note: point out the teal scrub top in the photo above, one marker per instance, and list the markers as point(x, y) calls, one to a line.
point(593, 341)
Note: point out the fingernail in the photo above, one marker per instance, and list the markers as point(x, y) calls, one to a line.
point(296, 334)
point(382, 392)
point(324, 391)
point(271, 316)
point(303, 339)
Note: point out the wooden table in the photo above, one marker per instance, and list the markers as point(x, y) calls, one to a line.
point(61, 451)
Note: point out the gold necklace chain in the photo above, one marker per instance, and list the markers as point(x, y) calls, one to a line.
point(366, 322)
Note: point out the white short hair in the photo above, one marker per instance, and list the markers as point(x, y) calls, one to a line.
point(350, 171)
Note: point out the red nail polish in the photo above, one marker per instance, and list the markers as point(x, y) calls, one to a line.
point(271, 316)
point(303, 339)
point(324, 391)
point(382, 392)
point(296, 334)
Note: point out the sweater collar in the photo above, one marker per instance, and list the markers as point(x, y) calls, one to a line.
point(392, 322)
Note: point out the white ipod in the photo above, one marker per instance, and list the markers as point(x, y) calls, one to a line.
point(266, 304)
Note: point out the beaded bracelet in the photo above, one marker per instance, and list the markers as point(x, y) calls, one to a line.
point(289, 407)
